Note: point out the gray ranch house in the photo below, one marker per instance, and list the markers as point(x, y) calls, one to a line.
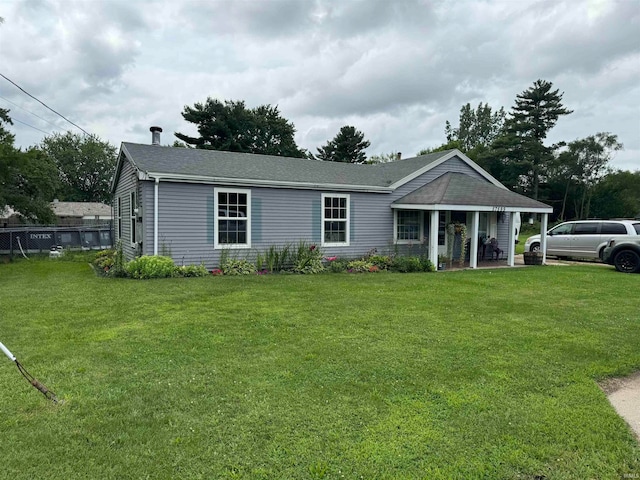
point(191, 204)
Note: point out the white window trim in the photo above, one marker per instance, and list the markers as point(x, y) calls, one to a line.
point(216, 244)
point(119, 219)
point(420, 238)
point(133, 228)
point(347, 220)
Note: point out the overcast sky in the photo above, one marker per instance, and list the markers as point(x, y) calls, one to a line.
point(396, 70)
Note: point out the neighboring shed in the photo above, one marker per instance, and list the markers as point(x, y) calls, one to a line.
point(192, 204)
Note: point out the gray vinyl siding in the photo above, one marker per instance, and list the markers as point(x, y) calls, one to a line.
point(279, 216)
point(127, 183)
point(145, 199)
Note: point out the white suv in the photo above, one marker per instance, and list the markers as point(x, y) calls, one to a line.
point(582, 238)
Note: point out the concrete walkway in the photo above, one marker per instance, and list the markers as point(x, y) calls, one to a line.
point(624, 395)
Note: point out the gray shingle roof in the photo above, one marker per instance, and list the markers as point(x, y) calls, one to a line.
point(80, 209)
point(460, 189)
point(246, 166)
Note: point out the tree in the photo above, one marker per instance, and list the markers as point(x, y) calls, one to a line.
point(230, 126)
point(347, 146)
point(617, 195)
point(85, 165)
point(476, 128)
point(27, 179)
point(587, 161)
point(442, 148)
point(383, 158)
point(535, 113)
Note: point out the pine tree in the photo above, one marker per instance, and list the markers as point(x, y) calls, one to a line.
point(535, 113)
point(347, 146)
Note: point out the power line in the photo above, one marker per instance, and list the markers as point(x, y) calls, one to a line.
point(25, 123)
point(47, 106)
point(35, 115)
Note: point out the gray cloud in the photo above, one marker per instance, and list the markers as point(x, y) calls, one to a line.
point(395, 70)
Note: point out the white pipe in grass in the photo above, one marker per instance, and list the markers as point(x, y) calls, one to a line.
point(7, 352)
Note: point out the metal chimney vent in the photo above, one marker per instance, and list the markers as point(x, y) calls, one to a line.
point(155, 135)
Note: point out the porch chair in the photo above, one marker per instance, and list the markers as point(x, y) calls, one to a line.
point(494, 248)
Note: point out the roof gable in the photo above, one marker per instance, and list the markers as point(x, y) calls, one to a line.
point(458, 189)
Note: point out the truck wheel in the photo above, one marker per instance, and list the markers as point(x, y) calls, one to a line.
point(627, 261)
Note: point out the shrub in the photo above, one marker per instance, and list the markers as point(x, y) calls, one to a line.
point(308, 259)
point(426, 264)
point(236, 266)
point(407, 264)
point(104, 259)
point(383, 262)
point(111, 262)
point(337, 265)
point(150, 267)
point(359, 266)
point(191, 271)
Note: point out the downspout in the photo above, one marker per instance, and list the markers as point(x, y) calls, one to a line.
point(155, 216)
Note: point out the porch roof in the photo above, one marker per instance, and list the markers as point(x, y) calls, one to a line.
point(457, 191)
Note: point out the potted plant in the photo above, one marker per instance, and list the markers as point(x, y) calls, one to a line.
point(442, 262)
point(532, 258)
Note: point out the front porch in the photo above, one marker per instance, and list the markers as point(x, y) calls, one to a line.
point(485, 213)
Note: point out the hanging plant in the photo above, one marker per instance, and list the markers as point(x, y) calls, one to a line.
point(454, 229)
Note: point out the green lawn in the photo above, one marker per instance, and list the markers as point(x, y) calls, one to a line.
point(469, 374)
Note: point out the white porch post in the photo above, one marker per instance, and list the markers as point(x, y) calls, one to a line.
point(433, 237)
point(512, 239)
point(473, 246)
point(543, 237)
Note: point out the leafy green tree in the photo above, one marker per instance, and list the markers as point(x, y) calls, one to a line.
point(476, 128)
point(535, 113)
point(442, 148)
point(587, 161)
point(85, 165)
point(347, 146)
point(232, 127)
point(27, 179)
point(383, 158)
point(617, 195)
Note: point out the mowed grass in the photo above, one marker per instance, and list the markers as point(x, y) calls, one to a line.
point(469, 374)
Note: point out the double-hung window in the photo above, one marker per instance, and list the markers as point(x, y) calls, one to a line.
point(335, 219)
point(408, 226)
point(232, 214)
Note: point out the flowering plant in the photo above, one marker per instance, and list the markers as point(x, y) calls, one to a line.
point(452, 230)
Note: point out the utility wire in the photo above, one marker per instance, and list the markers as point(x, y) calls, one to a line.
point(34, 114)
point(47, 106)
point(25, 123)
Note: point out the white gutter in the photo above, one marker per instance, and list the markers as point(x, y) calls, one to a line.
point(155, 216)
point(176, 177)
point(469, 208)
